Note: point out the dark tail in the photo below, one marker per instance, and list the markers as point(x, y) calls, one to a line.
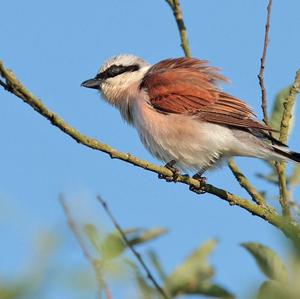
point(288, 154)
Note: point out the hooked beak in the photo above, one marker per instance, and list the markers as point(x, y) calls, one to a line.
point(92, 83)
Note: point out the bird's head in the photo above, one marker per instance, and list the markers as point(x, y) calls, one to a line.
point(117, 78)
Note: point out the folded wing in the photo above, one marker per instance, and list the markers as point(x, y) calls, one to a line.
point(189, 86)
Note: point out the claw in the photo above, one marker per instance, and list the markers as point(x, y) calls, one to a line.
point(175, 171)
point(202, 180)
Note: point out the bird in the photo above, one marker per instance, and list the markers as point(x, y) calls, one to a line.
point(182, 116)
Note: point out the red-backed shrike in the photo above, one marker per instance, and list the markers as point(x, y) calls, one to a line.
point(181, 115)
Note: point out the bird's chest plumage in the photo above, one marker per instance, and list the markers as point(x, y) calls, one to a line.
point(176, 137)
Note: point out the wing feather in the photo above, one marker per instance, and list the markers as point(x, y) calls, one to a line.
point(189, 86)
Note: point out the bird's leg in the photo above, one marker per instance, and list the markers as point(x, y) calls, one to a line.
point(171, 166)
point(202, 180)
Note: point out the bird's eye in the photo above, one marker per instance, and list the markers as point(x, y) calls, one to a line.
point(115, 70)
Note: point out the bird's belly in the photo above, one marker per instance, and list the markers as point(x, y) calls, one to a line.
point(189, 155)
point(194, 145)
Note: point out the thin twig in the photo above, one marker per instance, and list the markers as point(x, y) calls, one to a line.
point(264, 102)
point(93, 262)
point(283, 137)
point(283, 190)
point(177, 11)
point(265, 212)
point(246, 184)
point(131, 247)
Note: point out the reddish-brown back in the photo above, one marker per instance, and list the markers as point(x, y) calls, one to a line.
point(189, 86)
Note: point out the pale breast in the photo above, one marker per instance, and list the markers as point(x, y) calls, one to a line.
point(192, 144)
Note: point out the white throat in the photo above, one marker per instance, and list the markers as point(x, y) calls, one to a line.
point(121, 90)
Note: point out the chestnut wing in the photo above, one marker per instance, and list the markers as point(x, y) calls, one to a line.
point(189, 86)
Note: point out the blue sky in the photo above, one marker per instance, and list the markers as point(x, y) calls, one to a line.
point(53, 46)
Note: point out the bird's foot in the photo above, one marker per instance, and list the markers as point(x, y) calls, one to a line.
point(202, 180)
point(171, 166)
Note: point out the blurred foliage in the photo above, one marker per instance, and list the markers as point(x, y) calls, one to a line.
point(45, 245)
point(110, 262)
point(154, 259)
point(281, 284)
point(193, 276)
point(13, 290)
point(112, 245)
point(268, 261)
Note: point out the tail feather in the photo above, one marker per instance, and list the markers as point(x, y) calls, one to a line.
point(287, 154)
point(274, 140)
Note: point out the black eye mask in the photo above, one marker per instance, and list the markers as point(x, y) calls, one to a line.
point(116, 70)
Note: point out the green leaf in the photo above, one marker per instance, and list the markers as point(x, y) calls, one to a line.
point(112, 246)
point(139, 236)
point(109, 246)
point(215, 291)
point(273, 289)
point(194, 274)
point(94, 236)
point(268, 261)
point(207, 289)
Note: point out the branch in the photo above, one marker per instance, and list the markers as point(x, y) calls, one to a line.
point(177, 11)
point(288, 107)
point(93, 262)
point(291, 230)
point(284, 130)
point(131, 247)
point(264, 104)
point(246, 184)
